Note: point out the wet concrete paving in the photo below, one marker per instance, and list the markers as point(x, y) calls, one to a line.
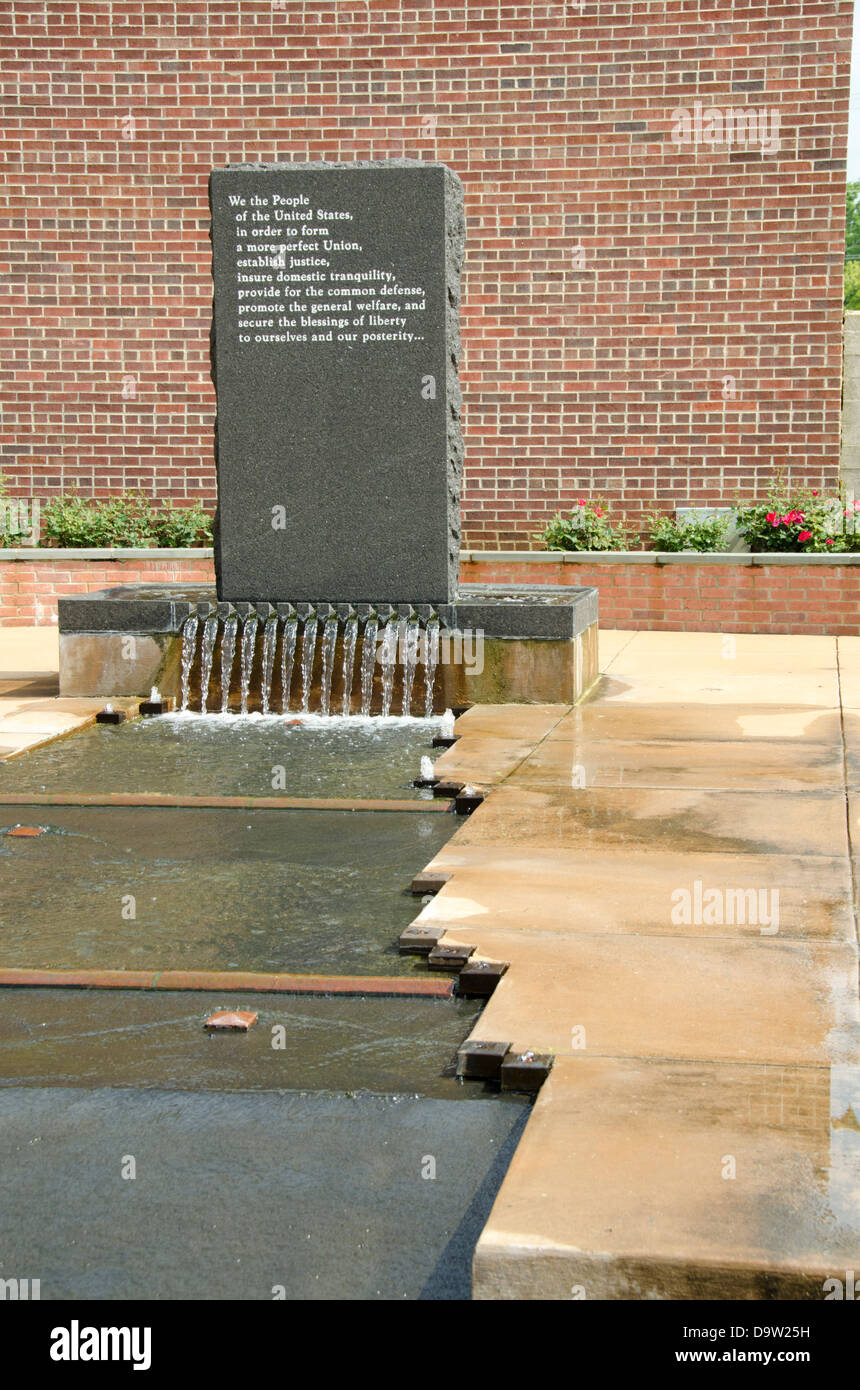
point(668, 875)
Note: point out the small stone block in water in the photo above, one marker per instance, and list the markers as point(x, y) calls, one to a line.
point(482, 1060)
point(429, 882)
point(150, 708)
point(111, 716)
point(468, 800)
point(25, 831)
point(449, 957)
point(230, 1021)
point(447, 789)
point(419, 941)
point(479, 978)
point(525, 1071)
point(441, 741)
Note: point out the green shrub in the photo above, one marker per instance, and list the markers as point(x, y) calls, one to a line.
point(586, 528)
point(130, 521)
point(708, 532)
point(799, 519)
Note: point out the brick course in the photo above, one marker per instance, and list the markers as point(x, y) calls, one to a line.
point(689, 596)
point(651, 322)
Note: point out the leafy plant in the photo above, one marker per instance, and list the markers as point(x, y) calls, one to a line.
point(707, 532)
point(795, 519)
point(176, 528)
point(129, 521)
point(586, 528)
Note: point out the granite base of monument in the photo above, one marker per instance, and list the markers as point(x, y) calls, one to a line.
point(511, 645)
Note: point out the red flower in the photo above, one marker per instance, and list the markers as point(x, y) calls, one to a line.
point(815, 492)
point(804, 535)
point(773, 518)
point(830, 542)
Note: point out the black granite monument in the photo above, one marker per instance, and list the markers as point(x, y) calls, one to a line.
point(334, 353)
point(335, 346)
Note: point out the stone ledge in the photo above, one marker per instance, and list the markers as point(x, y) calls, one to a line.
point(650, 557)
point(51, 554)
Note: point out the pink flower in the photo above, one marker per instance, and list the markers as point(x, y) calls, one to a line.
point(804, 535)
point(773, 518)
point(815, 492)
point(830, 542)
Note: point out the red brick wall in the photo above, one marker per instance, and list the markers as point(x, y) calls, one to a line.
point(691, 597)
point(686, 597)
point(29, 589)
point(613, 279)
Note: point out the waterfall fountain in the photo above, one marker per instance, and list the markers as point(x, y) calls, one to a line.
point(389, 647)
point(297, 523)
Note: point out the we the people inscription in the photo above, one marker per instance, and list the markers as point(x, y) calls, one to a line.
point(335, 352)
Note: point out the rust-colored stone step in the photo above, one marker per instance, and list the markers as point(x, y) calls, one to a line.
point(230, 981)
point(242, 803)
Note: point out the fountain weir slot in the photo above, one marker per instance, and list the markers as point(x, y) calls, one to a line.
point(489, 645)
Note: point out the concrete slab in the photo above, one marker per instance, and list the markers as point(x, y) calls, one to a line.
point(482, 758)
point(639, 892)
point(518, 722)
point(754, 766)
point(700, 723)
point(29, 652)
point(747, 1000)
point(731, 822)
point(679, 1180)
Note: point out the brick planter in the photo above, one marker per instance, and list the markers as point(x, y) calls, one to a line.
point(656, 591)
point(31, 581)
point(638, 589)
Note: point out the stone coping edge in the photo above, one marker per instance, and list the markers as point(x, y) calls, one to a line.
point(650, 557)
point(471, 557)
point(50, 554)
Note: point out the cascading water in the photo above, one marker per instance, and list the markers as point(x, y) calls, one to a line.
point(270, 641)
point(388, 662)
point(309, 646)
point(350, 638)
point(431, 661)
point(410, 661)
point(288, 660)
point(228, 651)
point(397, 642)
point(249, 641)
point(207, 651)
point(189, 646)
point(328, 646)
point(368, 661)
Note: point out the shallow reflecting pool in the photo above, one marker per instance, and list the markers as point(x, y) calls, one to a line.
point(232, 755)
point(295, 891)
